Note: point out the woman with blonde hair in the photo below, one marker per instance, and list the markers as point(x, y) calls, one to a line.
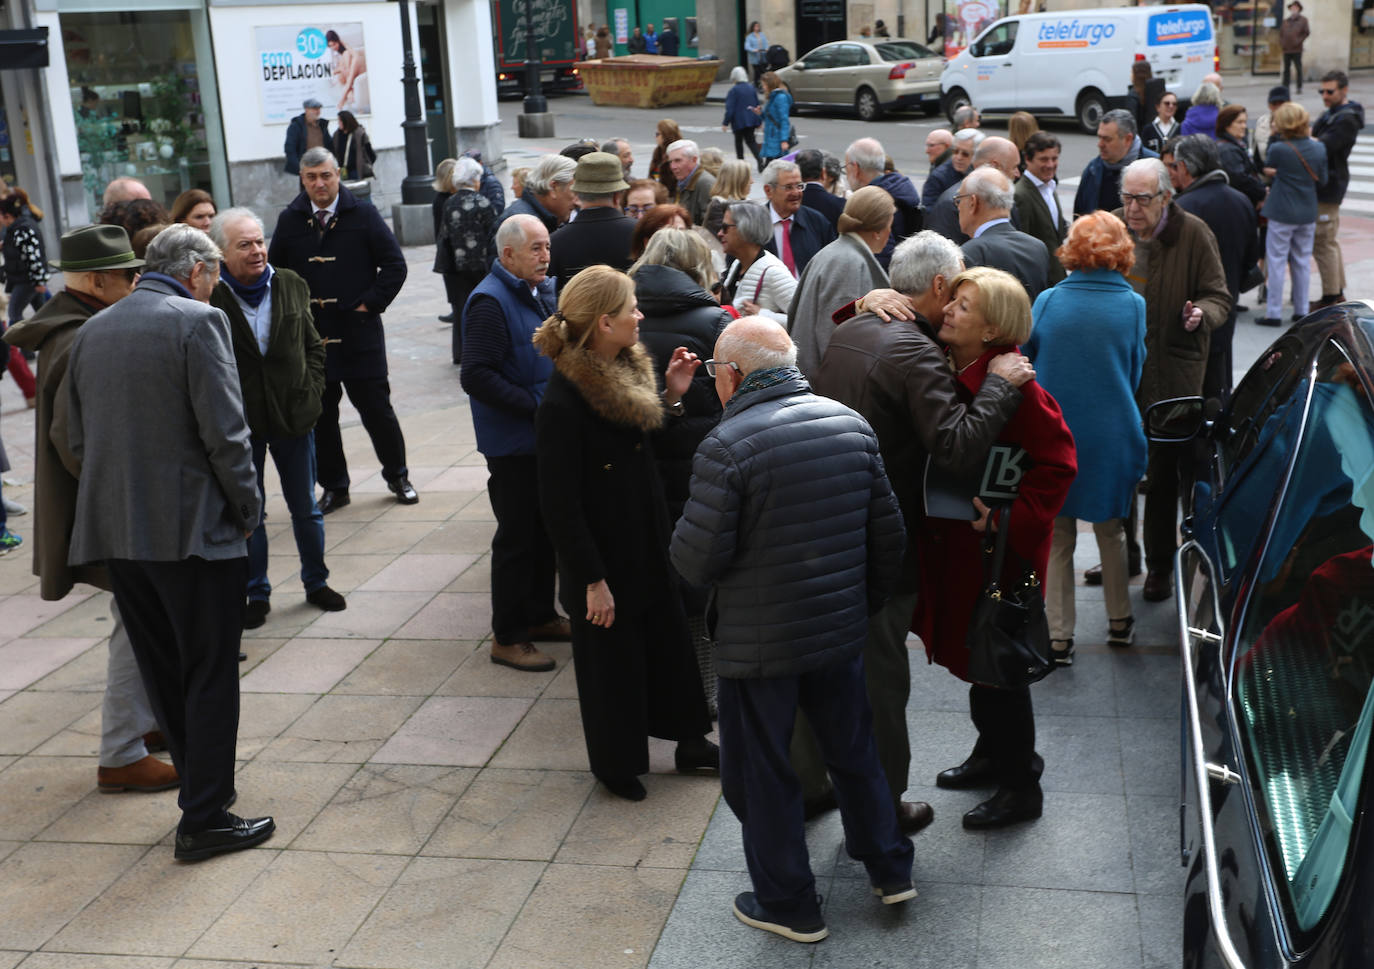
point(1297, 163)
point(733, 184)
point(1088, 347)
point(840, 273)
point(1021, 126)
point(602, 502)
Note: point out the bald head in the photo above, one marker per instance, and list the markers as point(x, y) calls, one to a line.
point(938, 142)
point(1212, 79)
point(751, 343)
point(998, 153)
point(125, 190)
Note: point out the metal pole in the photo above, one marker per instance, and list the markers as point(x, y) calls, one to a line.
point(416, 187)
point(535, 102)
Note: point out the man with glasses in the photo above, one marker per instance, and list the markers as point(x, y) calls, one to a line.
point(1118, 145)
point(993, 152)
point(1178, 271)
point(798, 232)
point(1337, 129)
point(984, 204)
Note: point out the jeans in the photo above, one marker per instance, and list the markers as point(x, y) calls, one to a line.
point(295, 461)
point(1290, 245)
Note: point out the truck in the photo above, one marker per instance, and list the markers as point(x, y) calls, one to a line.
point(555, 31)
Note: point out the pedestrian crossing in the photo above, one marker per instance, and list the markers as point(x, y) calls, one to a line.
point(1359, 198)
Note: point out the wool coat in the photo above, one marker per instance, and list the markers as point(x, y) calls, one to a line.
point(840, 273)
point(777, 125)
point(597, 237)
point(1037, 221)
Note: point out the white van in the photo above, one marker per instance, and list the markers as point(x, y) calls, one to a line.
point(1075, 63)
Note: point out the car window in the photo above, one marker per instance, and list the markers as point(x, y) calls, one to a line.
point(1265, 387)
point(904, 51)
point(852, 55)
point(997, 41)
point(1305, 653)
point(821, 57)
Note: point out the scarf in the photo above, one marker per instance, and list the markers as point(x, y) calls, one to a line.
point(1132, 153)
point(763, 379)
point(250, 293)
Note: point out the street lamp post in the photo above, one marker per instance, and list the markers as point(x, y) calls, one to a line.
point(534, 121)
point(416, 188)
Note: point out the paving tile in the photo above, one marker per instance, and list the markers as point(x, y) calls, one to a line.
point(28, 718)
point(81, 738)
point(419, 573)
point(1150, 755)
point(1147, 685)
point(1023, 928)
point(128, 818)
point(1082, 754)
point(865, 932)
point(414, 926)
point(197, 894)
point(479, 676)
point(88, 619)
point(320, 922)
point(450, 615)
point(347, 572)
point(43, 885)
point(1081, 843)
point(939, 739)
point(262, 716)
point(291, 793)
point(370, 615)
point(8, 960)
point(1084, 689)
point(722, 847)
point(662, 831)
point(932, 686)
point(87, 673)
point(307, 666)
point(469, 479)
point(434, 506)
point(476, 579)
point(28, 659)
point(512, 814)
point(585, 917)
point(257, 650)
point(6, 694)
point(217, 964)
point(342, 729)
point(35, 791)
point(459, 534)
point(1155, 862)
point(389, 809)
point(479, 509)
point(406, 667)
point(381, 538)
point(1161, 930)
point(550, 737)
point(945, 852)
point(702, 931)
point(62, 960)
point(564, 685)
point(461, 731)
point(26, 612)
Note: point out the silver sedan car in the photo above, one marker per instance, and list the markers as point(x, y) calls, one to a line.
point(874, 75)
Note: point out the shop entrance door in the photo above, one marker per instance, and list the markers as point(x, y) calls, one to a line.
point(818, 22)
point(433, 83)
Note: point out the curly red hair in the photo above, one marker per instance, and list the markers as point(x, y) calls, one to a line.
point(1098, 241)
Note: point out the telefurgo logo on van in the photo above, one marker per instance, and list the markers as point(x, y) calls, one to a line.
point(1073, 33)
point(1179, 28)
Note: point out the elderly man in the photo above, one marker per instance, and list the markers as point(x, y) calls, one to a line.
point(816, 196)
point(694, 183)
point(600, 235)
point(621, 149)
point(798, 232)
point(1037, 203)
point(166, 497)
point(106, 274)
point(281, 374)
point(993, 152)
point(548, 194)
point(505, 378)
point(350, 260)
point(1179, 272)
point(950, 172)
point(1117, 146)
point(1337, 129)
point(307, 130)
point(896, 375)
point(863, 164)
point(985, 217)
point(967, 117)
point(124, 189)
point(828, 548)
point(939, 144)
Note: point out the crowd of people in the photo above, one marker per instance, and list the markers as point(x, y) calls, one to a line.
point(682, 397)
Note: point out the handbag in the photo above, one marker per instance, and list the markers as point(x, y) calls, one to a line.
point(1008, 637)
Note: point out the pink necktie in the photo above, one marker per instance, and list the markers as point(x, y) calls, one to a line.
point(787, 259)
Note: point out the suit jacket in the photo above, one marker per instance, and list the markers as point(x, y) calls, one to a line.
point(826, 203)
point(695, 194)
point(1022, 255)
point(810, 234)
point(943, 216)
point(159, 443)
point(598, 236)
point(1037, 221)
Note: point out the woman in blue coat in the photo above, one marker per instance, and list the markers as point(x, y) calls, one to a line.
point(741, 115)
point(777, 123)
point(1088, 347)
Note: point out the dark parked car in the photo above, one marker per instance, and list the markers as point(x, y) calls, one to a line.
point(1275, 593)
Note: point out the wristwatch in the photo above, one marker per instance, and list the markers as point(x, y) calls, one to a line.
point(676, 409)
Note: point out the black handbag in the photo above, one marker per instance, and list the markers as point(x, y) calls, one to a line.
point(1008, 638)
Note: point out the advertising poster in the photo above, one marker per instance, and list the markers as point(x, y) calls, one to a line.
point(555, 31)
point(324, 61)
point(622, 25)
point(966, 19)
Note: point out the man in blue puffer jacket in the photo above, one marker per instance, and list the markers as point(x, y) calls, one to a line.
point(792, 519)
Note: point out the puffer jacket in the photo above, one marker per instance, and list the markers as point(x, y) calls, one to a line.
point(791, 517)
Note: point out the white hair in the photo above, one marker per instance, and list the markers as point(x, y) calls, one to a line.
point(990, 187)
point(222, 219)
point(776, 168)
point(176, 249)
point(969, 134)
point(918, 259)
point(739, 74)
point(511, 233)
point(687, 146)
point(465, 171)
point(549, 171)
point(316, 157)
point(867, 154)
point(734, 345)
point(1151, 166)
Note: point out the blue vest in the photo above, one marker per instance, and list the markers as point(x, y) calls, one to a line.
point(499, 432)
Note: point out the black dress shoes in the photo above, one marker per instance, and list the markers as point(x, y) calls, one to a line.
point(403, 491)
point(695, 755)
point(327, 599)
point(240, 833)
point(1007, 806)
point(332, 500)
point(912, 816)
point(974, 772)
point(1158, 586)
point(255, 613)
point(629, 788)
point(815, 807)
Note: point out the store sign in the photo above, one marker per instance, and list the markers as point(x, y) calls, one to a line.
point(322, 61)
point(555, 31)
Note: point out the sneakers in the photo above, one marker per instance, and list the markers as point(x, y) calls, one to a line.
point(1061, 651)
point(797, 928)
point(898, 892)
point(15, 508)
point(521, 656)
point(1121, 632)
point(9, 541)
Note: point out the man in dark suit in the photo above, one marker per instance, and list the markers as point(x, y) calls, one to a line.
point(166, 497)
point(600, 235)
point(984, 215)
point(798, 232)
point(354, 268)
point(1041, 214)
point(998, 153)
point(815, 196)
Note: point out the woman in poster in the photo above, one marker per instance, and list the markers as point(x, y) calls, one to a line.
point(350, 64)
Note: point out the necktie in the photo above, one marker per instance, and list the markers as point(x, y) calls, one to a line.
point(787, 258)
point(322, 219)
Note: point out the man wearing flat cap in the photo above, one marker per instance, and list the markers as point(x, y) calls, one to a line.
point(1293, 32)
point(98, 269)
point(307, 130)
point(601, 233)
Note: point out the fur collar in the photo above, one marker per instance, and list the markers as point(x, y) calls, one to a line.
point(622, 390)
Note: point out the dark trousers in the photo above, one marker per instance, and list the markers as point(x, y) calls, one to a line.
point(458, 287)
point(1216, 382)
point(746, 137)
point(756, 777)
point(185, 621)
point(1170, 482)
point(295, 461)
point(1295, 61)
point(1006, 733)
point(522, 559)
point(372, 397)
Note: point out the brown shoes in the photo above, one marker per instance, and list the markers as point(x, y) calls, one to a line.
point(154, 741)
point(912, 816)
point(521, 656)
point(1158, 586)
point(556, 630)
point(145, 776)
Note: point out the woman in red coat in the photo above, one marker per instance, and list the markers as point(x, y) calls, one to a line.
point(989, 314)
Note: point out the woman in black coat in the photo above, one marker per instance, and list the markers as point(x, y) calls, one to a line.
point(353, 148)
point(465, 241)
point(602, 504)
point(1235, 155)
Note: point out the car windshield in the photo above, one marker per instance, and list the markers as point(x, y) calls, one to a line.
point(1305, 655)
point(902, 51)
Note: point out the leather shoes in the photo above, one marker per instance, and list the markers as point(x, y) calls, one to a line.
point(974, 772)
point(1158, 586)
point(239, 834)
point(333, 500)
point(556, 630)
point(521, 656)
point(154, 741)
point(145, 776)
point(1093, 576)
point(815, 807)
point(912, 816)
point(327, 599)
point(1005, 807)
point(255, 613)
point(403, 491)
point(696, 755)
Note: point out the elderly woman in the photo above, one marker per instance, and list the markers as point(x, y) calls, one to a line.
point(1201, 118)
point(740, 116)
point(777, 122)
point(758, 282)
point(1231, 132)
point(467, 241)
point(603, 504)
point(840, 273)
point(1088, 347)
point(196, 207)
point(1297, 163)
point(988, 314)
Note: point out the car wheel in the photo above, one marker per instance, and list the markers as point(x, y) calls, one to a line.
point(866, 103)
point(955, 98)
point(1091, 107)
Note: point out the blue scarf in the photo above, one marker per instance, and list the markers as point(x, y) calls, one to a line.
point(176, 284)
point(250, 293)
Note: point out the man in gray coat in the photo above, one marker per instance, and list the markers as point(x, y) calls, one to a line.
point(166, 498)
point(789, 494)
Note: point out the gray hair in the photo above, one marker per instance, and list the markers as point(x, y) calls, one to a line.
point(739, 74)
point(752, 222)
point(1198, 154)
point(832, 165)
point(990, 186)
point(465, 171)
point(176, 249)
point(512, 231)
point(1207, 93)
point(964, 115)
point(222, 219)
point(316, 157)
point(969, 134)
point(867, 155)
point(549, 171)
point(778, 167)
point(918, 259)
point(612, 147)
point(734, 345)
point(680, 249)
point(686, 145)
point(1152, 166)
point(1123, 119)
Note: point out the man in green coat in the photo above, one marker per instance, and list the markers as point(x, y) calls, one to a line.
point(281, 369)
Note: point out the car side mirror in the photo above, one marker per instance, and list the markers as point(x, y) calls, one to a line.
point(1176, 420)
point(799, 66)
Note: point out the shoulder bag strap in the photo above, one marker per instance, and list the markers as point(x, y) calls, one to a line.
point(1303, 160)
point(758, 287)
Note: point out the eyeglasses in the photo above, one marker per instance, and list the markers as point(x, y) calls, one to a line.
point(1327, 90)
point(962, 195)
point(712, 365)
point(725, 227)
point(1141, 200)
point(637, 210)
point(796, 187)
